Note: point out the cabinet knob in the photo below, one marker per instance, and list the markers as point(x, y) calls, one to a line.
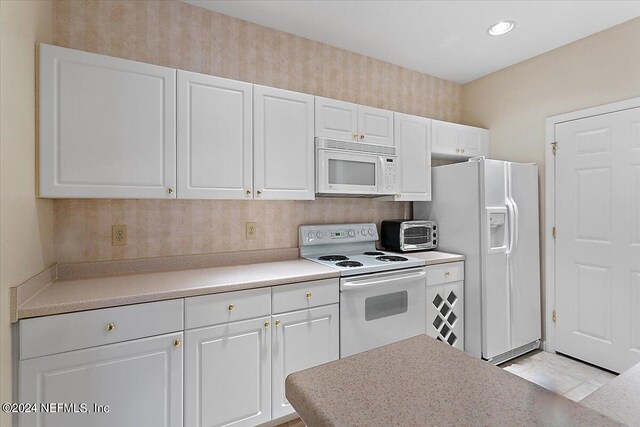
point(110, 327)
point(446, 274)
point(277, 323)
point(457, 150)
point(309, 295)
point(462, 150)
point(232, 307)
point(170, 190)
point(177, 343)
point(362, 136)
point(259, 192)
point(398, 195)
point(248, 192)
point(267, 324)
point(354, 136)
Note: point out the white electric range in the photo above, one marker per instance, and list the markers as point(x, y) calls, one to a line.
point(382, 295)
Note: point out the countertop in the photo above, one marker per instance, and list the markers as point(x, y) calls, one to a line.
point(420, 381)
point(434, 257)
point(620, 398)
point(65, 296)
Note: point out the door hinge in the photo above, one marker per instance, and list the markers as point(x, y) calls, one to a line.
point(553, 232)
point(553, 316)
point(554, 147)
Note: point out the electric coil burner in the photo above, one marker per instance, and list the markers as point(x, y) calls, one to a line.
point(333, 258)
point(375, 253)
point(391, 258)
point(349, 264)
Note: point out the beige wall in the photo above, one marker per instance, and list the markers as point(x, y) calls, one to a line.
point(514, 102)
point(179, 35)
point(25, 222)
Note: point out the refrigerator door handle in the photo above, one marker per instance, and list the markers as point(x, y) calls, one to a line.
point(511, 220)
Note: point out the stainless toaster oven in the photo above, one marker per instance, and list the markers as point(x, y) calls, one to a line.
point(404, 235)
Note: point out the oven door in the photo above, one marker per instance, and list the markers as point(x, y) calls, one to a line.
point(340, 172)
point(380, 309)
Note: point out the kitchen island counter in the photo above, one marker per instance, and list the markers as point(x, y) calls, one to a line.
point(420, 381)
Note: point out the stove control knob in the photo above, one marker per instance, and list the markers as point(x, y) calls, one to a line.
point(363, 231)
point(352, 233)
point(319, 234)
point(371, 232)
point(310, 235)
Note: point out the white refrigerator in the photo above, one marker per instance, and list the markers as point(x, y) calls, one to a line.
point(488, 211)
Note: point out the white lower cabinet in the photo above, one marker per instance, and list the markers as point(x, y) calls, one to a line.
point(228, 374)
point(140, 381)
point(445, 303)
point(300, 340)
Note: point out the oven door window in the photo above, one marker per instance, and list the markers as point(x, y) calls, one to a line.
point(381, 306)
point(351, 172)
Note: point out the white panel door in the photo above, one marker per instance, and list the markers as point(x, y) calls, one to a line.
point(413, 139)
point(598, 239)
point(107, 126)
point(140, 381)
point(336, 119)
point(474, 141)
point(283, 144)
point(214, 138)
point(375, 125)
point(445, 138)
point(228, 374)
point(301, 340)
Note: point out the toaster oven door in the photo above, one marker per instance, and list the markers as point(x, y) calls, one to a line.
point(417, 237)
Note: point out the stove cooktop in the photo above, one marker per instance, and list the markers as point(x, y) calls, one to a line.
point(365, 262)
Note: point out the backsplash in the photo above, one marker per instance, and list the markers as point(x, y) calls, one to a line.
point(179, 35)
point(181, 227)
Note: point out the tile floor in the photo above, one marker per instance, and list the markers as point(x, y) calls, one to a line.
point(563, 375)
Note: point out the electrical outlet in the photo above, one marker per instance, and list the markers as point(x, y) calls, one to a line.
point(118, 235)
point(251, 230)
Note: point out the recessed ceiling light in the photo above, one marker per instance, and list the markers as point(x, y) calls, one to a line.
point(500, 28)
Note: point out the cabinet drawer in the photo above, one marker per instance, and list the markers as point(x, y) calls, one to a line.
point(226, 307)
point(305, 295)
point(55, 334)
point(445, 273)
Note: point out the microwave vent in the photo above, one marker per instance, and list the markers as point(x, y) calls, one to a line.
point(362, 147)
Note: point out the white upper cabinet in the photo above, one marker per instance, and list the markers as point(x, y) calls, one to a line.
point(107, 126)
point(375, 126)
point(413, 139)
point(283, 144)
point(336, 119)
point(451, 140)
point(214, 137)
point(352, 122)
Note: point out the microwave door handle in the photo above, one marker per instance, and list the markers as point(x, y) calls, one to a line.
point(382, 281)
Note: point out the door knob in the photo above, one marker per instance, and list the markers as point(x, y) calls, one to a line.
point(177, 343)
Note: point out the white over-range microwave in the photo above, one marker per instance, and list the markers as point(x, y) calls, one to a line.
point(355, 169)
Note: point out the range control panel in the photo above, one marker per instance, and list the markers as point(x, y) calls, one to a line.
point(336, 233)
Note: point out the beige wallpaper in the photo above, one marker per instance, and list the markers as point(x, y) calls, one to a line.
point(515, 102)
point(179, 35)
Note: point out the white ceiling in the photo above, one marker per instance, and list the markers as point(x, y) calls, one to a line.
point(446, 39)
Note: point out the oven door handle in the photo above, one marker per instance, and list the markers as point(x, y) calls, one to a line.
point(382, 281)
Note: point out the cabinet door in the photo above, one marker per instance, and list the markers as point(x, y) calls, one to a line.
point(445, 313)
point(214, 138)
point(228, 374)
point(336, 119)
point(301, 340)
point(140, 381)
point(283, 144)
point(107, 126)
point(474, 141)
point(375, 125)
point(413, 139)
point(445, 139)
